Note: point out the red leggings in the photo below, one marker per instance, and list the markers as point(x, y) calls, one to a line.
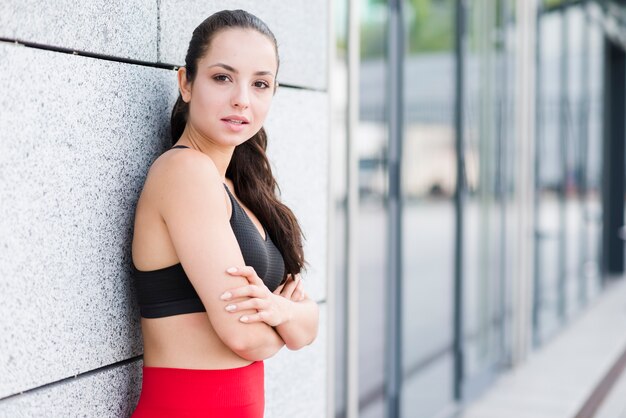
point(190, 393)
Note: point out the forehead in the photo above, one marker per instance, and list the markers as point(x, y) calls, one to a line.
point(244, 49)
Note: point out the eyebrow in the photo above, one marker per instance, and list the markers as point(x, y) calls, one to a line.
point(229, 68)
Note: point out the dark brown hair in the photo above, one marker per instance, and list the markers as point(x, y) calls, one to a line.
point(249, 168)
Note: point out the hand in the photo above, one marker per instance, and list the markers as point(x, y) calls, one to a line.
point(292, 289)
point(270, 307)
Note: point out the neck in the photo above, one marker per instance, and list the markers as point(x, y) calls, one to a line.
point(220, 155)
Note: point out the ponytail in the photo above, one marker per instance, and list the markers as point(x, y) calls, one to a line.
point(178, 119)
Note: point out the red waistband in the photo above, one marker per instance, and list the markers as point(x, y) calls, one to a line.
point(169, 387)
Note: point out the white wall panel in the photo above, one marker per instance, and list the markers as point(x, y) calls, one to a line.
point(300, 26)
point(77, 136)
point(111, 393)
point(126, 29)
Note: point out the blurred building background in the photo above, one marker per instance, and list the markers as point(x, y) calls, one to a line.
point(86, 93)
point(478, 166)
point(458, 168)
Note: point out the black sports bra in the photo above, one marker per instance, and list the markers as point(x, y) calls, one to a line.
point(167, 291)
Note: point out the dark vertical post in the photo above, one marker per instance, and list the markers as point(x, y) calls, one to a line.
point(583, 115)
point(395, 66)
point(502, 114)
point(613, 168)
point(459, 47)
point(564, 130)
point(539, 103)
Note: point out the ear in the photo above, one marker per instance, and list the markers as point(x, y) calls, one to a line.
point(184, 86)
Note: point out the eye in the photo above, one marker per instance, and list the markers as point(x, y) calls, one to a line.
point(221, 78)
point(264, 84)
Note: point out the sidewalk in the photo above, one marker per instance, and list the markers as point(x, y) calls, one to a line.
point(614, 406)
point(558, 380)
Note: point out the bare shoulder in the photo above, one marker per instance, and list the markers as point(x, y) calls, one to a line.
point(174, 176)
point(177, 164)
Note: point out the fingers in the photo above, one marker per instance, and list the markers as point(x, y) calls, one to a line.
point(298, 293)
point(254, 303)
point(279, 289)
point(263, 310)
point(290, 286)
point(250, 290)
point(298, 289)
point(247, 271)
point(257, 317)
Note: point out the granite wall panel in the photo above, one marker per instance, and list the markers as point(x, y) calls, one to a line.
point(77, 137)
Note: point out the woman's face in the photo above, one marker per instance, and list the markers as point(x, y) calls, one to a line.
point(235, 79)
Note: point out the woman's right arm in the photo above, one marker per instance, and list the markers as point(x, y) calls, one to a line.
point(192, 202)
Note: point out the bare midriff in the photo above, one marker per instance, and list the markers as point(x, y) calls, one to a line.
point(186, 341)
point(181, 341)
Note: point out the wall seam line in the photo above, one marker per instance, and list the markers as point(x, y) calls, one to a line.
point(161, 65)
point(76, 376)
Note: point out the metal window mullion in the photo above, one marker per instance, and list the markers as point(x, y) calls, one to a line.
point(583, 110)
point(539, 117)
point(352, 212)
point(395, 67)
point(526, 12)
point(563, 128)
point(460, 42)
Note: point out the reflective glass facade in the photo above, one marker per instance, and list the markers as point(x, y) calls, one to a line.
point(431, 269)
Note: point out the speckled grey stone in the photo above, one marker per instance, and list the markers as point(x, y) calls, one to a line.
point(297, 127)
point(295, 381)
point(77, 137)
point(113, 392)
point(126, 29)
point(295, 386)
point(300, 27)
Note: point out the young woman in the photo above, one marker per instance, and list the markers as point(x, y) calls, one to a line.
point(209, 205)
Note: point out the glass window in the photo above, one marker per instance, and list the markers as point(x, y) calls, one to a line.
point(371, 142)
point(428, 182)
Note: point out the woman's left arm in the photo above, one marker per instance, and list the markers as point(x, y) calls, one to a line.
point(301, 322)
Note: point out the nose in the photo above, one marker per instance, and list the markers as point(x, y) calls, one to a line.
point(240, 97)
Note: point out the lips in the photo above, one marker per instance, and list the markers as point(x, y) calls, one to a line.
point(235, 123)
point(238, 120)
